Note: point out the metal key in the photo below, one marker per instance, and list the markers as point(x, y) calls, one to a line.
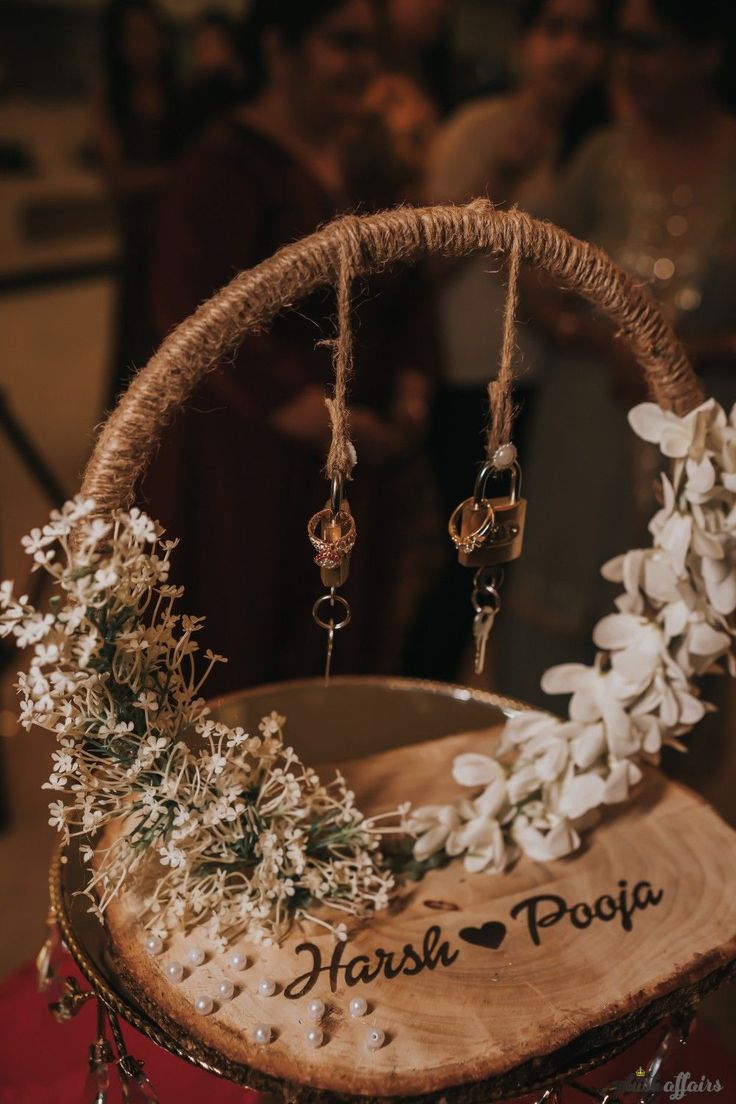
point(482, 626)
point(486, 603)
point(330, 650)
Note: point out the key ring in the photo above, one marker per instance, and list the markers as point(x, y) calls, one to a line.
point(486, 597)
point(330, 626)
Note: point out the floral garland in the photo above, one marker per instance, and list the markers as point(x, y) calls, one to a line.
point(216, 826)
point(674, 622)
point(222, 828)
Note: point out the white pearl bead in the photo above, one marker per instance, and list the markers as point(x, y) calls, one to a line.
point(154, 945)
point(504, 456)
point(267, 987)
point(204, 1005)
point(262, 1034)
point(237, 960)
point(225, 989)
point(358, 1006)
point(315, 1037)
point(376, 1038)
point(174, 971)
point(195, 956)
point(316, 1010)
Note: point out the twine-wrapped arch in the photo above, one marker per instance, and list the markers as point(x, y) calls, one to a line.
point(356, 246)
point(559, 1045)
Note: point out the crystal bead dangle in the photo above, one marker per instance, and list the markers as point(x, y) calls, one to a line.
point(137, 1089)
point(675, 1035)
point(553, 1095)
point(135, 1086)
point(97, 1083)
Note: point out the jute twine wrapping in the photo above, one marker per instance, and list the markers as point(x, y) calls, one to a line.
point(346, 249)
point(341, 457)
point(500, 389)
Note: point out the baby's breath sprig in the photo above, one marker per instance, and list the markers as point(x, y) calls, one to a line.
point(214, 826)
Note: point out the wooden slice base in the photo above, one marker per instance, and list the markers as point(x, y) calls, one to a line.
point(483, 984)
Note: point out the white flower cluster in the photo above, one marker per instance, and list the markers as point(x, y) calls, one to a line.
point(674, 622)
point(215, 826)
point(222, 828)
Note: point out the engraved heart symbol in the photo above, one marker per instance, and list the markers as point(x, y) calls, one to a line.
point(491, 935)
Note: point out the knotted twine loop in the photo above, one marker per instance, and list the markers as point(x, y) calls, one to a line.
point(342, 457)
point(500, 390)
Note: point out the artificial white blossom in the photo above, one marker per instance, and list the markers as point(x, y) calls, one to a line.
point(674, 621)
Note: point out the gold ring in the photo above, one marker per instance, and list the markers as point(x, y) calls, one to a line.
point(471, 542)
point(330, 553)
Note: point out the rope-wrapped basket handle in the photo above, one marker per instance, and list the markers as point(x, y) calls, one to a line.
point(373, 243)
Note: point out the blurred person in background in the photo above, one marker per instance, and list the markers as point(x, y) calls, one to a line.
point(417, 45)
point(214, 45)
point(136, 137)
point(216, 77)
point(241, 472)
point(657, 191)
point(512, 148)
point(408, 96)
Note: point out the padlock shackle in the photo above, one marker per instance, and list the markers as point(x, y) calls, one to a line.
point(337, 494)
point(485, 473)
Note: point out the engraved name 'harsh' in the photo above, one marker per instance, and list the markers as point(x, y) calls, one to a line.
point(363, 968)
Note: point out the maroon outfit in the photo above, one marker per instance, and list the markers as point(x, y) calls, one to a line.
point(236, 492)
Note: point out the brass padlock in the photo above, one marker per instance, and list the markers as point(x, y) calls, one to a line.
point(490, 530)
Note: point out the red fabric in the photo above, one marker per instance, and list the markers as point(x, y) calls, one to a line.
point(42, 1062)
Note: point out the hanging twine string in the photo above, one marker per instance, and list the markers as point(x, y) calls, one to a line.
point(342, 457)
point(255, 297)
point(500, 389)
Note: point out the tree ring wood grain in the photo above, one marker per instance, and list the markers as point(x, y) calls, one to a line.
point(657, 932)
